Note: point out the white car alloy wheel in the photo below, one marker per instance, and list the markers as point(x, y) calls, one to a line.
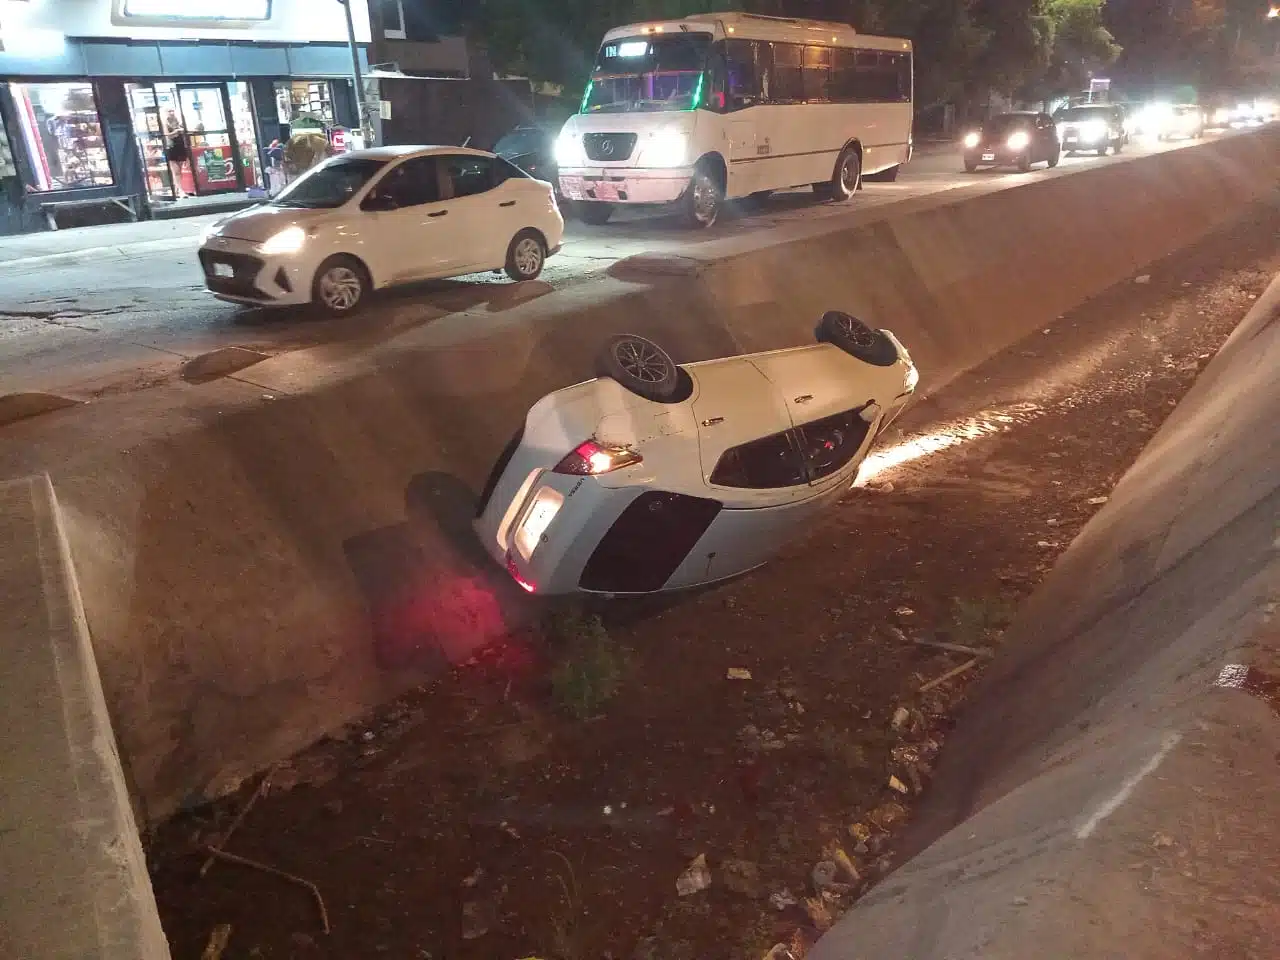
point(526, 256)
point(339, 285)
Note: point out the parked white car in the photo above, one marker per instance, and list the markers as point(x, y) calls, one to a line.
point(375, 218)
point(658, 477)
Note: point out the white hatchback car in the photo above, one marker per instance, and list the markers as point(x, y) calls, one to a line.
point(658, 477)
point(374, 218)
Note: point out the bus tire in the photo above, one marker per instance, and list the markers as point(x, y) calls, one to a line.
point(704, 199)
point(846, 178)
point(593, 212)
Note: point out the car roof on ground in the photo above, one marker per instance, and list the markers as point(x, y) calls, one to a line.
point(412, 150)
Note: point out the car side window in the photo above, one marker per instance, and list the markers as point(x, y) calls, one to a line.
point(828, 445)
point(467, 176)
point(504, 170)
point(409, 184)
point(764, 464)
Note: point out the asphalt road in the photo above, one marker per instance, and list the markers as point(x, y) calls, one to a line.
point(124, 320)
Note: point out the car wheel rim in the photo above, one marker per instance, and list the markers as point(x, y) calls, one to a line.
point(340, 288)
point(705, 201)
point(849, 175)
point(857, 331)
point(641, 361)
point(527, 257)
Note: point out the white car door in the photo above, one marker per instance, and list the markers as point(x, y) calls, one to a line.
point(404, 228)
point(483, 210)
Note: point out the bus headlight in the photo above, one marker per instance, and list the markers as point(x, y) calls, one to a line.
point(1018, 139)
point(972, 139)
point(569, 152)
point(668, 148)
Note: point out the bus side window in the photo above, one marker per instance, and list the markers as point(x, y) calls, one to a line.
point(742, 81)
point(817, 74)
point(842, 76)
point(787, 76)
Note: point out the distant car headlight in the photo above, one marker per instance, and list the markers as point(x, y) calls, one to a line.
point(668, 148)
point(1018, 140)
point(972, 139)
point(1093, 130)
point(287, 241)
point(569, 151)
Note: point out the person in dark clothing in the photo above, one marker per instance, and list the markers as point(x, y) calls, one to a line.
point(176, 150)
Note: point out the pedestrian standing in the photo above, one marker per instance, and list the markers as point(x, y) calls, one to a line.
point(176, 151)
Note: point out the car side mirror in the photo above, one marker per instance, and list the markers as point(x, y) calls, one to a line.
point(379, 203)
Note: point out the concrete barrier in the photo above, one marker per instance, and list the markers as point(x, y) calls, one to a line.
point(1112, 789)
point(246, 545)
point(75, 879)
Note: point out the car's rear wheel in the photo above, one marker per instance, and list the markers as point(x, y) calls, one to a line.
point(594, 212)
point(855, 338)
point(641, 366)
point(526, 256)
point(340, 284)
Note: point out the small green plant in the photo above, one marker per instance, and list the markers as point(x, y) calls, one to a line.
point(976, 620)
point(591, 667)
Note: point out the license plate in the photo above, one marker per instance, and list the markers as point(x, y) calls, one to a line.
point(606, 190)
point(571, 187)
point(988, 156)
point(546, 504)
point(224, 270)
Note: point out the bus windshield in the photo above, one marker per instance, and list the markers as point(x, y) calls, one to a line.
point(648, 73)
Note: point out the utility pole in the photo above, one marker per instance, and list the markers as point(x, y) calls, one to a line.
point(365, 132)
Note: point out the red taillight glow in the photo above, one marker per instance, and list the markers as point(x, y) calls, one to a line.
point(592, 458)
point(526, 585)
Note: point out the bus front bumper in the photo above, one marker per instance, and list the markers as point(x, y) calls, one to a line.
point(622, 185)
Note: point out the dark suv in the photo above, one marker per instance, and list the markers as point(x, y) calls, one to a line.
point(1012, 140)
point(1096, 128)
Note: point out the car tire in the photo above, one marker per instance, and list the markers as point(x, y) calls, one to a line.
point(1117, 147)
point(593, 212)
point(340, 285)
point(855, 338)
point(1054, 158)
point(970, 165)
point(526, 256)
point(846, 178)
point(1071, 153)
point(640, 366)
point(1024, 162)
point(703, 199)
point(1102, 150)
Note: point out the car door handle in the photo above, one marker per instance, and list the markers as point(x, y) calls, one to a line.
point(508, 203)
point(441, 213)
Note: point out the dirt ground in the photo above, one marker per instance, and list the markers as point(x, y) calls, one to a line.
point(543, 801)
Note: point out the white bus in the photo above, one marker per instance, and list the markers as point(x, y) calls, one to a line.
point(727, 105)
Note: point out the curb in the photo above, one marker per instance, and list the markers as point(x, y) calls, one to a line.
point(110, 252)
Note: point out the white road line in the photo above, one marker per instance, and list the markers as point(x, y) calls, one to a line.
point(1126, 789)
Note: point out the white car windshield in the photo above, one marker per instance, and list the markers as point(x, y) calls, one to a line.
point(648, 73)
point(331, 184)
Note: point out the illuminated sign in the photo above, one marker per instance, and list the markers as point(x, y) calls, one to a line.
point(208, 10)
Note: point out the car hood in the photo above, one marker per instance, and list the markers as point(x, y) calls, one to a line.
point(264, 221)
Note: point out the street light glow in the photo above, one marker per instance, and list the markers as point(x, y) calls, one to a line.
point(1273, 13)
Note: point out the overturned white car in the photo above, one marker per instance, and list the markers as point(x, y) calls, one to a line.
point(658, 477)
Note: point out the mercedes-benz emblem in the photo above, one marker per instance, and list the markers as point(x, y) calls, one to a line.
point(606, 148)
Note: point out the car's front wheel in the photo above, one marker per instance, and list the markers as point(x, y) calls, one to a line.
point(970, 165)
point(526, 256)
point(1054, 158)
point(855, 338)
point(340, 284)
point(641, 366)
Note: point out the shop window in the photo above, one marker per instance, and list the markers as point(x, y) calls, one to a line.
point(7, 167)
point(392, 19)
point(305, 99)
point(62, 133)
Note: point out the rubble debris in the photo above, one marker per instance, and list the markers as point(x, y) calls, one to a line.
point(739, 673)
point(780, 951)
point(218, 941)
point(905, 612)
point(1143, 279)
point(819, 913)
point(743, 878)
point(898, 785)
point(291, 878)
point(474, 878)
point(477, 919)
point(1097, 501)
point(826, 882)
point(860, 832)
point(901, 717)
point(784, 899)
point(696, 877)
point(263, 786)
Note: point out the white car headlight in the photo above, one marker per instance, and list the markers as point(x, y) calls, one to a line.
point(287, 241)
point(569, 152)
point(971, 140)
point(1018, 139)
point(668, 148)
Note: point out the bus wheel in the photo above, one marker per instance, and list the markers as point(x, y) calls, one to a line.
point(847, 176)
point(594, 212)
point(703, 199)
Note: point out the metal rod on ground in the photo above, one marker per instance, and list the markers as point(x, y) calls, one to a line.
point(355, 73)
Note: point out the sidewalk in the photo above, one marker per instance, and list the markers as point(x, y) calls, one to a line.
point(32, 250)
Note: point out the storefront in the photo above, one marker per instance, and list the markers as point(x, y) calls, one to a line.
point(88, 110)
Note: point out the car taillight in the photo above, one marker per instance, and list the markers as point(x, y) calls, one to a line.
point(592, 458)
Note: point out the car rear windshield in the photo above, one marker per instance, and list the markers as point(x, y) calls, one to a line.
point(999, 126)
point(331, 184)
point(1078, 114)
point(521, 141)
